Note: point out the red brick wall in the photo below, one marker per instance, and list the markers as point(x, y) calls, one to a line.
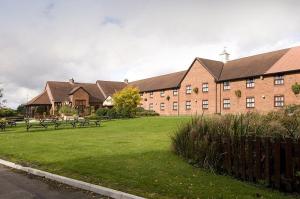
point(264, 92)
point(196, 76)
point(156, 100)
point(80, 94)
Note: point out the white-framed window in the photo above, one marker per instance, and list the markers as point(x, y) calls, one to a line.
point(188, 105)
point(162, 93)
point(141, 94)
point(279, 101)
point(205, 87)
point(151, 106)
point(175, 92)
point(250, 83)
point(151, 94)
point(188, 89)
point(250, 102)
point(162, 106)
point(204, 104)
point(175, 106)
point(226, 85)
point(278, 80)
point(226, 103)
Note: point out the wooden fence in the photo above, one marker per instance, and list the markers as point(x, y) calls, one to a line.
point(275, 162)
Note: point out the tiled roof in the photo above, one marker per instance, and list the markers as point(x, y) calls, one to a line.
point(41, 99)
point(213, 67)
point(108, 88)
point(251, 66)
point(161, 82)
point(61, 90)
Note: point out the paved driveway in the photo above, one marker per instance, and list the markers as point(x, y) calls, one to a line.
point(15, 185)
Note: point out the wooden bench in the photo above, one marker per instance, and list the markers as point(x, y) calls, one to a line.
point(41, 124)
point(2, 126)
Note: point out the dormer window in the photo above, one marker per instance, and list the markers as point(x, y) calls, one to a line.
point(250, 83)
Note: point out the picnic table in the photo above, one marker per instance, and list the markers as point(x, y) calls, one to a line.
point(2, 126)
point(43, 123)
point(78, 122)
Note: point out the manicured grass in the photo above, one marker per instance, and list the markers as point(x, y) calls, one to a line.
point(128, 155)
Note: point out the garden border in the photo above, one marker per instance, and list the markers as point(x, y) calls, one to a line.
point(72, 182)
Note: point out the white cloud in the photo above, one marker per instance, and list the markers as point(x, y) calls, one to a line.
point(90, 40)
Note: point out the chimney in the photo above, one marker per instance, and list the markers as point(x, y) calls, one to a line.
point(126, 81)
point(224, 56)
point(71, 81)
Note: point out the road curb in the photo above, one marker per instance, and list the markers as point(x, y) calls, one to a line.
point(72, 182)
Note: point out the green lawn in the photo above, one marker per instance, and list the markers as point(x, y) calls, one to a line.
point(128, 155)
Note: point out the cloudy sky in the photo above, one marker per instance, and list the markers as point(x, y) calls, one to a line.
point(44, 40)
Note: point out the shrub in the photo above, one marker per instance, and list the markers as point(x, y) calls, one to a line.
point(67, 110)
point(146, 113)
point(296, 88)
point(196, 90)
point(238, 93)
point(126, 101)
point(101, 112)
point(197, 140)
point(140, 109)
point(7, 112)
point(112, 113)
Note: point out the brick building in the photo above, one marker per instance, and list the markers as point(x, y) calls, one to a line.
point(261, 82)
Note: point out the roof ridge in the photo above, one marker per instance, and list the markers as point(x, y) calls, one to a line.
point(109, 81)
point(264, 53)
point(208, 59)
point(159, 76)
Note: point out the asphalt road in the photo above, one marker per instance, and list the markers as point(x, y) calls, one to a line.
point(17, 185)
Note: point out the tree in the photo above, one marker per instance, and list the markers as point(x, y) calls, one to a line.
point(21, 109)
point(126, 101)
point(2, 101)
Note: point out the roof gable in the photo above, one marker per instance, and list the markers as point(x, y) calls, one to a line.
point(212, 66)
point(74, 90)
point(61, 90)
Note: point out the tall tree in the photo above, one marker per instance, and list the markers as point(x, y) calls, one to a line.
point(2, 101)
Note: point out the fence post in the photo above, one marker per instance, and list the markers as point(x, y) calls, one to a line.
point(258, 158)
point(276, 157)
point(243, 158)
point(289, 171)
point(235, 154)
point(250, 158)
point(228, 159)
point(267, 160)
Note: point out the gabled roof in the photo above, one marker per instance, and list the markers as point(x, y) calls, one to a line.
point(212, 66)
point(251, 66)
point(108, 88)
point(161, 82)
point(76, 89)
point(61, 90)
point(41, 99)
